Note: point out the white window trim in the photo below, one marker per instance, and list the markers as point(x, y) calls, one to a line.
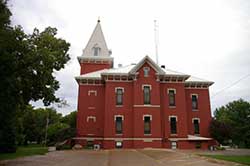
point(116, 116)
point(147, 115)
point(172, 116)
point(195, 119)
point(148, 68)
point(116, 88)
point(194, 94)
point(143, 85)
point(172, 89)
point(92, 91)
point(91, 117)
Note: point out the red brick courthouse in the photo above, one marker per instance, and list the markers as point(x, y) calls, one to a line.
point(139, 105)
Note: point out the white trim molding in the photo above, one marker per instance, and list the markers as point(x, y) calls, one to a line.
point(118, 139)
point(91, 117)
point(172, 89)
point(143, 85)
point(147, 105)
point(90, 134)
point(172, 116)
point(195, 119)
point(116, 88)
point(147, 115)
point(194, 94)
point(116, 116)
point(92, 91)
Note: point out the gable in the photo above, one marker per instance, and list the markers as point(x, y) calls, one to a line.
point(147, 60)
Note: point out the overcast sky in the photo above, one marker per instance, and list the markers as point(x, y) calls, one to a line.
point(209, 39)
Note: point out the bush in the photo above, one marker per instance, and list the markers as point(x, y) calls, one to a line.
point(219, 148)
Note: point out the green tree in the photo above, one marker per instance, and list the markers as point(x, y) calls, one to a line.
point(221, 131)
point(58, 132)
point(236, 116)
point(33, 124)
point(28, 62)
point(70, 119)
point(8, 97)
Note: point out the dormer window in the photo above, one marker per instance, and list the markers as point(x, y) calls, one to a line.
point(96, 51)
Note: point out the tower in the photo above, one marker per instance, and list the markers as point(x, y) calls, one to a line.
point(96, 55)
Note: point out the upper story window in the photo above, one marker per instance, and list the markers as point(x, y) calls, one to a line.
point(119, 96)
point(147, 124)
point(146, 71)
point(194, 101)
point(173, 126)
point(171, 95)
point(196, 122)
point(96, 51)
point(146, 93)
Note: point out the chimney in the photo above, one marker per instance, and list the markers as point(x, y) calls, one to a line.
point(119, 65)
point(163, 66)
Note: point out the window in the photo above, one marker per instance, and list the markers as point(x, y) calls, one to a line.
point(119, 96)
point(90, 144)
point(173, 145)
point(147, 125)
point(194, 102)
point(118, 144)
point(146, 91)
point(118, 125)
point(196, 126)
point(91, 118)
point(146, 71)
point(171, 95)
point(96, 51)
point(173, 125)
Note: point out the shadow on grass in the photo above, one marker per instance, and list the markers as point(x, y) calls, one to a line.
point(25, 151)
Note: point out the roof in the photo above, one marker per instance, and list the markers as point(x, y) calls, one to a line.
point(92, 75)
point(174, 73)
point(193, 79)
point(96, 40)
point(132, 69)
point(120, 70)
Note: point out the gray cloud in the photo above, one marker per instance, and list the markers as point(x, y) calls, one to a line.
point(209, 39)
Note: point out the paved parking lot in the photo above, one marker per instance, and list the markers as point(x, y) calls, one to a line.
point(146, 157)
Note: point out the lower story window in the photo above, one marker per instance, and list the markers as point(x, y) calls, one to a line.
point(147, 125)
point(118, 125)
point(196, 126)
point(90, 144)
point(173, 145)
point(173, 127)
point(118, 144)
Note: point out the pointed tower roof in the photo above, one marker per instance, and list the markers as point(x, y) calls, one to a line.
point(97, 40)
point(96, 48)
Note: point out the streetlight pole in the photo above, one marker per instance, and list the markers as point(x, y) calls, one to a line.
point(46, 130)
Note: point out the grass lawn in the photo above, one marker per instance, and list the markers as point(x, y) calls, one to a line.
point(237, 159)
point(25, 151)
